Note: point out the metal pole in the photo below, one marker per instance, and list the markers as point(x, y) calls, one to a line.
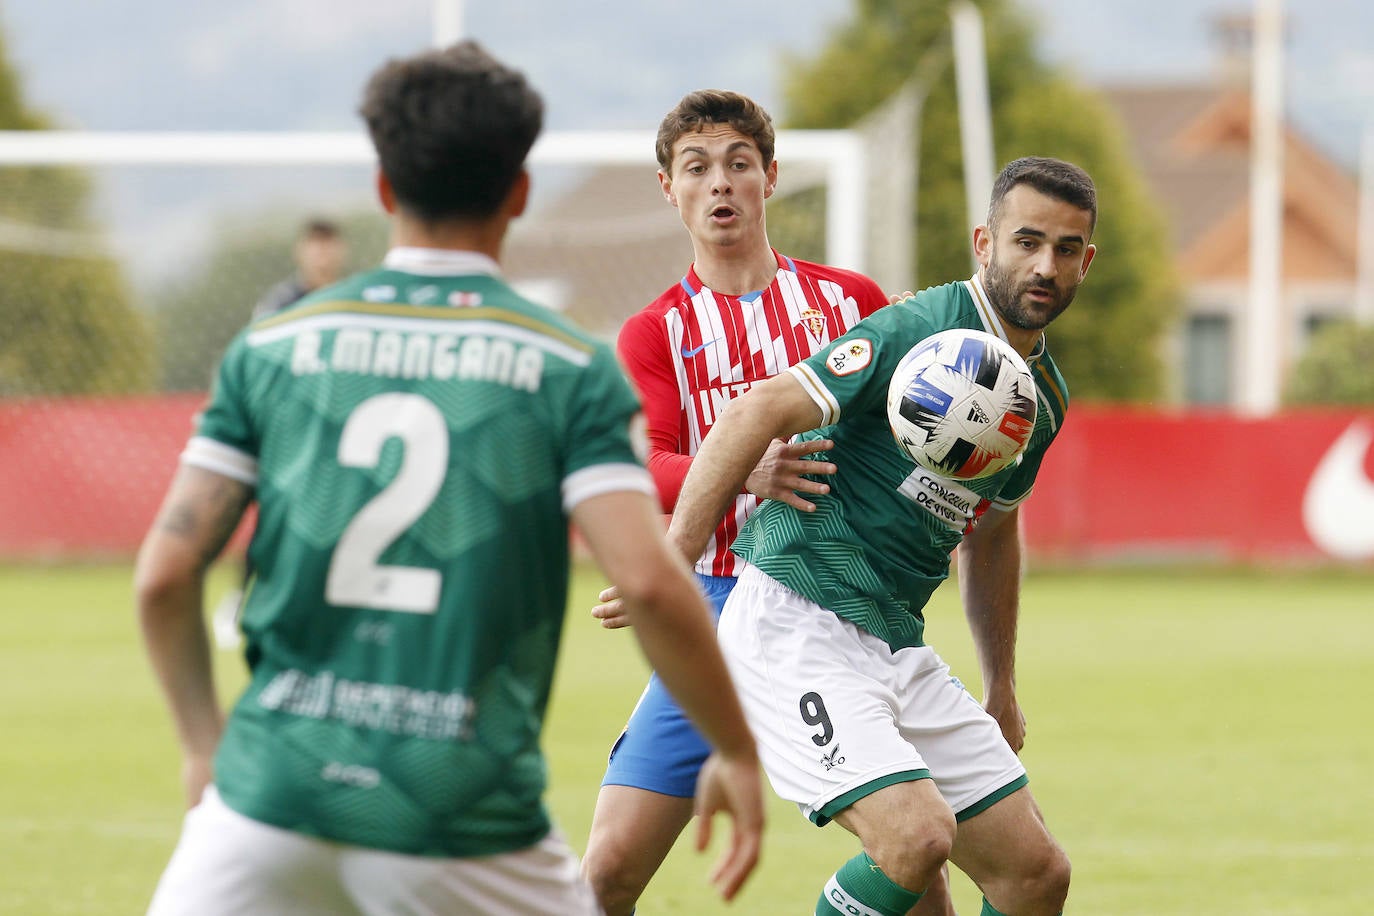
point(1364, 283)
point(1261, 362)
point(975, 117)
point(448, 22)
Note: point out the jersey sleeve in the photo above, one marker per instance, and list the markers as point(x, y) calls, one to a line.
point(1019, 485)
point(642, 350)
point(1022, 480)
point(852, 374)
point(226, 441)
point(603, 421)
point(869, 296)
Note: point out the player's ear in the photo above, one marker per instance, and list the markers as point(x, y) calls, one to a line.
point(519, 195)
point(770, 179)
point(385, 193)
point(982, 245)
point(1088, 254)
point(665, 184)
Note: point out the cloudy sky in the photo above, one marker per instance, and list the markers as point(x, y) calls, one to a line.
point(299, 64)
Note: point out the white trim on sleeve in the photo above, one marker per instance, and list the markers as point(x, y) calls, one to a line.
point(213, 455)
point(605, 478)
point(815, 388)
point(1006, 505)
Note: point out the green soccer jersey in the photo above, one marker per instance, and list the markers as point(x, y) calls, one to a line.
point(878, 544)
point(417, 437)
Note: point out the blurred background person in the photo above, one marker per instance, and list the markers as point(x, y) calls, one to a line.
point(320, 254)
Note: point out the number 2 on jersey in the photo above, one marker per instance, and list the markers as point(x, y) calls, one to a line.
point(356, 579)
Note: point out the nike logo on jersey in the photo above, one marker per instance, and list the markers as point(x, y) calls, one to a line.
point(688, 354)
point(1338, 507)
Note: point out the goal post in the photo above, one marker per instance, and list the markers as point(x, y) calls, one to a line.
point(840, 154)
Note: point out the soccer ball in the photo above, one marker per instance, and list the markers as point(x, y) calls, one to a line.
point(962, 404)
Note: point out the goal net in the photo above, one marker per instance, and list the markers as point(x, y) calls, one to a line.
point(131, 260)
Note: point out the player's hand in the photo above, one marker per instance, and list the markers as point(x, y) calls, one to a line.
point(731, 785)
point(197, 772)
point(778, 474)
point(894, 298)
point(611, 610)
point(1002, 706)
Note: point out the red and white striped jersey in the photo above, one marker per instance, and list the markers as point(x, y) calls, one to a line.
point(692, 350)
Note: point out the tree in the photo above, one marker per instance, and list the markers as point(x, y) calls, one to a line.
point(1335, 369)
point(69, 327)
point(1109, 344)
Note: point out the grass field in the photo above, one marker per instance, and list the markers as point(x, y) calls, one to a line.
point(1200, 742)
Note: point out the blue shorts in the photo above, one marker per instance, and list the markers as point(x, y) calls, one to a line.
point(660, 750)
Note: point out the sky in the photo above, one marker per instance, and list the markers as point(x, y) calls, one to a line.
point(300, 64)
point(1329, 55)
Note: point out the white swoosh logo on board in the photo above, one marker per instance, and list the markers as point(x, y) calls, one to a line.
point(1338, 507)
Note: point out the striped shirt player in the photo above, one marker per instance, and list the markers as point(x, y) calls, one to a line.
point(690, 352)
point(439, 429)
point(717, 346)
point(873, 552)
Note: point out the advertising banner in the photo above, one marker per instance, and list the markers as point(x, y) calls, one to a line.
point(83, 477)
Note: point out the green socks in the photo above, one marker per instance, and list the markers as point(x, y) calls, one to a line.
point(860, 888)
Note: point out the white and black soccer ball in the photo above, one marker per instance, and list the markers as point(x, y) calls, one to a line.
point(962, 404)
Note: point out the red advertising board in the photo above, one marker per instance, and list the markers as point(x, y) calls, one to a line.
point(1136, 484)
point(83, 477)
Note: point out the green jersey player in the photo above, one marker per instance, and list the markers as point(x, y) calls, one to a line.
point(418, 440)
point(858, 720)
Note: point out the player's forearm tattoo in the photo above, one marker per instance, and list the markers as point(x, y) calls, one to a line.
point(207, 516)
point(230, 499)
point(179, 519)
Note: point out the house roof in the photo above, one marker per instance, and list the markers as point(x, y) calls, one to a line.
point(1192, 144)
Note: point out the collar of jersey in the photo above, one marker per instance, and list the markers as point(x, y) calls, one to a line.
point(693, 285)
point(440, 262)
point(992, 322)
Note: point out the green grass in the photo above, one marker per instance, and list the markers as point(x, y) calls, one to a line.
point(1199, 742)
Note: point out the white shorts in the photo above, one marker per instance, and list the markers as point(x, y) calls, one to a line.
point(838, 715)
point(226, 863)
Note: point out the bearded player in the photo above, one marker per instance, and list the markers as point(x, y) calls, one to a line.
point(858, 720)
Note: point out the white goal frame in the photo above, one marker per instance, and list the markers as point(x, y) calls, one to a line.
point(840, 154)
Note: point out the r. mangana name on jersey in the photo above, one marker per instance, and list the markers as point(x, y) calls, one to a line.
point(417, 355)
